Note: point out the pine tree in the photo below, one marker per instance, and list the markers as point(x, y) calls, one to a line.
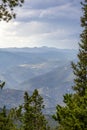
point(32, 117)
point(6, 122)
point(74, 114)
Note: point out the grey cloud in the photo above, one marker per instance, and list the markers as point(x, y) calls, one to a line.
point(49, 22)
point(39, 4)
point(52, 14)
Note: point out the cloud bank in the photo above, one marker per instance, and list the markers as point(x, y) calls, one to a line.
point(53, 23)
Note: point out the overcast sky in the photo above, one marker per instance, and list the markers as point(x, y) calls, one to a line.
point(52, 23)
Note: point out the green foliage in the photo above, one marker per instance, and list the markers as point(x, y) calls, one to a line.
point(74, 114)
point(2, 84)
point(7, 9)
point(30, 113)
point(6, 122)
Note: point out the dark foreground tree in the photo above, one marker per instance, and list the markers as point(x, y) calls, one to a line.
point(30, 113)
point(6, 121)
point(73, 116)
point(7, 9)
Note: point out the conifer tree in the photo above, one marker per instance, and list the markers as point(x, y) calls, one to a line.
point(30, 113)
point(74, 114)
point(6, 122)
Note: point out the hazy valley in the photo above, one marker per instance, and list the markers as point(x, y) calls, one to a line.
point(25, 69)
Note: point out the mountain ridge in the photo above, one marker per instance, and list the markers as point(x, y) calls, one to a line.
point(45, 69)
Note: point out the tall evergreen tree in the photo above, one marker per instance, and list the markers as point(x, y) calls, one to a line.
point(30, 113)
point(74, 114)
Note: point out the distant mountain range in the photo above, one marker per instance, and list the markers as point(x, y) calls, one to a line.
point(25, 69)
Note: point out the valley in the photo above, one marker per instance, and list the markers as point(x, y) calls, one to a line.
point(46, 69)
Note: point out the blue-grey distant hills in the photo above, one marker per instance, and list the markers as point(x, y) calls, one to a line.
point(25, 69)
